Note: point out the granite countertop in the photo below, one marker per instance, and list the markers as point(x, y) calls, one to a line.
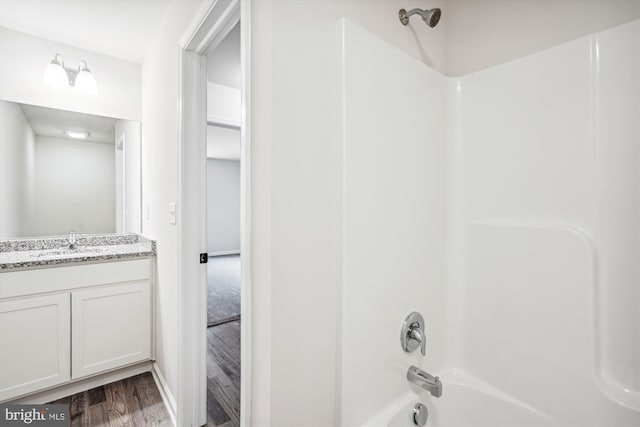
point(54, 251)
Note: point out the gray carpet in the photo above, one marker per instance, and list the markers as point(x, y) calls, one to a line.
point(223, 289)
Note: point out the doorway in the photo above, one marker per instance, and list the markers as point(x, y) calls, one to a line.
point(215, 22)
point(223, 159)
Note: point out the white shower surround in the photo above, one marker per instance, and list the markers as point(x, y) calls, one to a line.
point(503, 206)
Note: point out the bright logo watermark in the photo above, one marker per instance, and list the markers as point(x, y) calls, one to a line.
point(35, 415)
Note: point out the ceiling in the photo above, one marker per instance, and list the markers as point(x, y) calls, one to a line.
point(52, 123)
point(223, 60)
point(120, 28)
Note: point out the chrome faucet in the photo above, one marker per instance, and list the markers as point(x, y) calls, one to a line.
point(424, 380)
point(72, 240)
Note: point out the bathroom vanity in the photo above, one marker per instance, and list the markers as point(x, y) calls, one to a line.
point(68, 314)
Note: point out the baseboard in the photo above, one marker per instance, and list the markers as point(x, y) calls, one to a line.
point(81, 385)
point(222, 253)
point(223, 321)
point(167, 396)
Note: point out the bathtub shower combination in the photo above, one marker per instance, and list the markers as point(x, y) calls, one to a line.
point(503, 206)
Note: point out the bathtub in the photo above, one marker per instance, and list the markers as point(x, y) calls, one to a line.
point(466, 401)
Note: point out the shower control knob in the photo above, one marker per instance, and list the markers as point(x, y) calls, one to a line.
point(412, 334)
point(419, 414)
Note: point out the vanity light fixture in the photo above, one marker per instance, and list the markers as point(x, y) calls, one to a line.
point(57, 75)
point(75, 134)
point(85, 80)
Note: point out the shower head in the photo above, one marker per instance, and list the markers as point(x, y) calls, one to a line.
point(431, 17)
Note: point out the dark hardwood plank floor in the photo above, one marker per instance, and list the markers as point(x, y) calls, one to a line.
point(134, 401)
point(223, 375)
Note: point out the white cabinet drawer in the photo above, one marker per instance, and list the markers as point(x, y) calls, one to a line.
point(35, 344)
point(29, 282)
point(111, 327)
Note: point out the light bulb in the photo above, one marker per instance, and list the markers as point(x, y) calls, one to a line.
point(85, 80)
point(76, 134)
point(55, 74)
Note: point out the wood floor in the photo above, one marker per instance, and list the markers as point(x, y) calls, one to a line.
point(223, 375)
point(133, 402)
point(136, 401)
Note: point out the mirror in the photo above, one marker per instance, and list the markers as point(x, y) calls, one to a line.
point(63, 171)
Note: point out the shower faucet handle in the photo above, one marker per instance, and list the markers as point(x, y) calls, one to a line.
point(417, 334)
point(412, 334)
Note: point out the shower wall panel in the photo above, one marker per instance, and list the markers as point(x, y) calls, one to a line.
point(537, 215)
point(550, 206)
point(616, 133)
point(393, 219)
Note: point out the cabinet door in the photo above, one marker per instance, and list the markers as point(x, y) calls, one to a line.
point(111, 327)
point(35, 344)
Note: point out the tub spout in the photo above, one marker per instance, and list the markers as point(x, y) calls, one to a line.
point(424, 380)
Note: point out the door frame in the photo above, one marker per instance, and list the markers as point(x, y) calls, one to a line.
point(210, 25)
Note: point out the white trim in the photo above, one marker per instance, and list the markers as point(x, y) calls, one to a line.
point(83, 384)
point(154, 305)
point(123, 213)
point(198, 20)
point(223, 253)
point(246, 308)
point(191, 241)
point(213, 22)
point(211, 25)
point(165, 392)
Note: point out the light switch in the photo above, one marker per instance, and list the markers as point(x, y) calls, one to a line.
point(172, 213)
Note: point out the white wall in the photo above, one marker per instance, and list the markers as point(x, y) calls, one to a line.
point(223, 104)
point(223, 143)
point(23, 59)
point(223, 206)
point(481, 34)
point(160, 173)
point(296, 202)
point(223, 60)
point(16, 170)
point(74, 187)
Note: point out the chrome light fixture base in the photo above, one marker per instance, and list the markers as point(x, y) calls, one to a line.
point(57, 75)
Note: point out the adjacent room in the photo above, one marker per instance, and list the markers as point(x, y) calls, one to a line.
point(223, 230)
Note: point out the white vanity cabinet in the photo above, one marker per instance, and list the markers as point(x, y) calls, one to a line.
point(110, 327)
point(35, 344)
point(64, 323)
